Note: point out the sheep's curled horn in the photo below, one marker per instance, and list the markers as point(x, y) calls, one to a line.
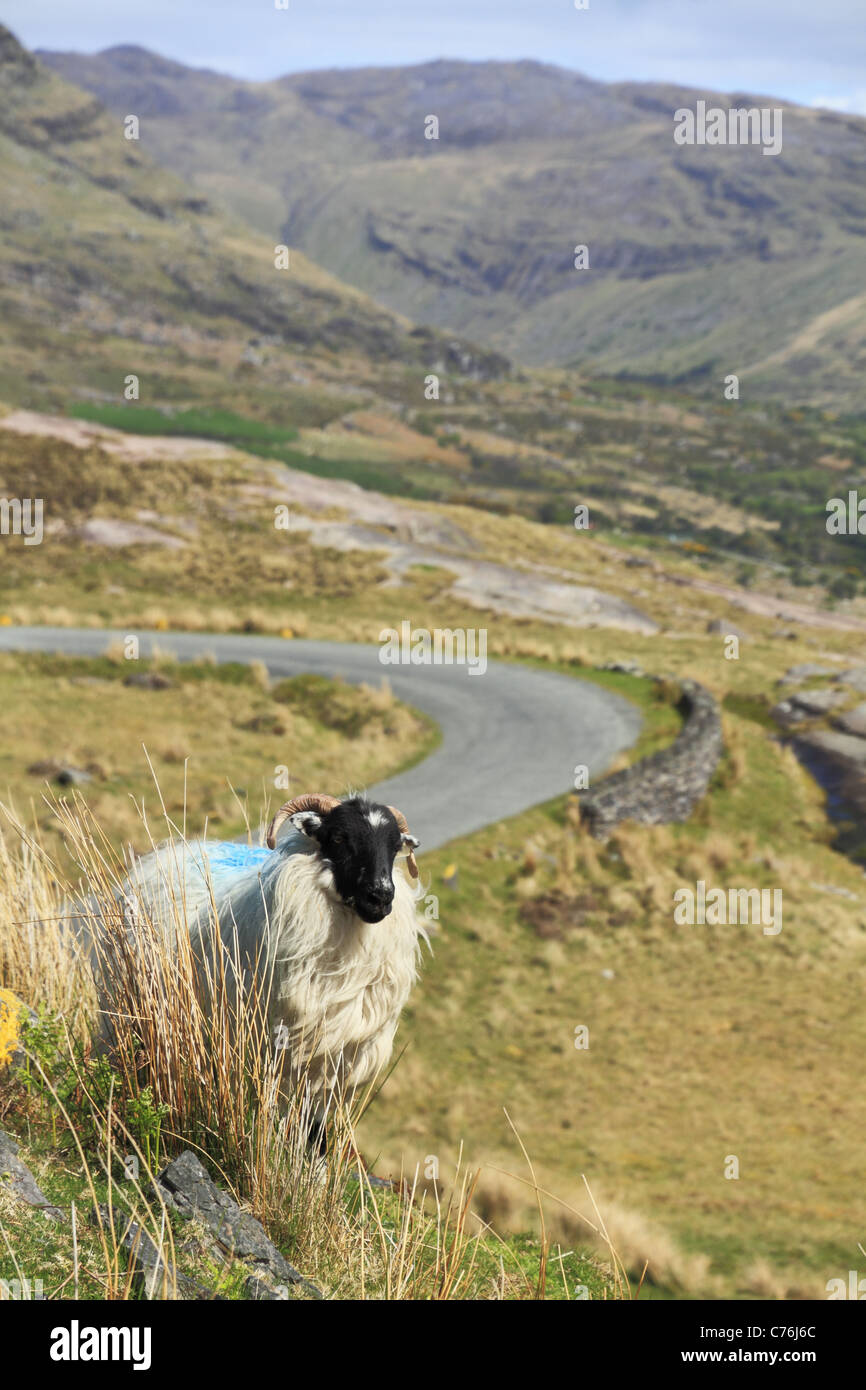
point(312, 801)
point(319, 801)
point(403, 827)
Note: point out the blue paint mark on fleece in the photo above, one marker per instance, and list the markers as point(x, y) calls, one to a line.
point(227, 860)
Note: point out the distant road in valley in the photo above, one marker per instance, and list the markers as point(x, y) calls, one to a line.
point(510, 737)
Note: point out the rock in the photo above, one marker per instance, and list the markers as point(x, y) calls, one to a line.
point(261, 1292)
point(845, 749)
point(855, 677)
point(817, 701)
point(806, 671)
point(58, 772)
point(187, 1187)
point(786, 714)
point(628, 668)
point(148, 680)
point(370, 1180)
point(853, 721)
point(153, 1276)
point(73, 777)
point(836, 890)
point(726, 628)
point(114, 533)
point(18, 1178)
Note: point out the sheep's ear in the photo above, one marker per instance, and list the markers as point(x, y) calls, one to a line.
point(308, 822)
point(410, 841)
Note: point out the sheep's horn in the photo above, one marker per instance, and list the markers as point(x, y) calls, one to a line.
point(311, 801)
point(403, 827)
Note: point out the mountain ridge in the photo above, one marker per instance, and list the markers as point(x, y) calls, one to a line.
point(104, 247)
point(702, 261)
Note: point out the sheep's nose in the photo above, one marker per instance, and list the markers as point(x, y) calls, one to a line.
point(382, 894)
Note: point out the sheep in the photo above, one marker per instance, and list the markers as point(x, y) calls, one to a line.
point(318, 918)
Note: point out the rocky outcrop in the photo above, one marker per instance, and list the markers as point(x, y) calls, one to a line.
point(15, 1175)
point(835, 756)
point(153, 1276)
point(668, 785)
point(187, 1187)
point(806, 704)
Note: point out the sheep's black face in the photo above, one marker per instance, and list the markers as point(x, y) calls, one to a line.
point(360, 841)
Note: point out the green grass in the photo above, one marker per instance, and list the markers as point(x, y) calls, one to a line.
point(206, 424)
point(39, 1250)
point(253, 437)
point(60, 1104)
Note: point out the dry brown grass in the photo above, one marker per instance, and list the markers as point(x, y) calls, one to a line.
point(198, 1046)
point(60, 711)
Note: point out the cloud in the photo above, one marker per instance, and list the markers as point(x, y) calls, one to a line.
point(853, 105)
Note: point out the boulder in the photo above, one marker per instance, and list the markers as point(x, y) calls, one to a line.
point(845, 749)
point(807, 670)
point(726, 628)
point(817, 702)
point(20, 1181)
point(786, 714)
point(855, 677)
point(153, 1275)
point(61, 773)
point(187, 1186)
point(148, 680)
point(853, 721)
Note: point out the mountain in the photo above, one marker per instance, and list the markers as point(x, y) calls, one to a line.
point(703, 260)
point(111, 264)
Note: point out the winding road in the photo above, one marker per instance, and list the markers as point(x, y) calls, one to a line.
point(510, 737)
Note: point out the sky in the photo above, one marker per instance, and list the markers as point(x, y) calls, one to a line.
point(800, 50)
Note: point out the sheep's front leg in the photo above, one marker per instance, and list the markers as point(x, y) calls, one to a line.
point(317, 1133)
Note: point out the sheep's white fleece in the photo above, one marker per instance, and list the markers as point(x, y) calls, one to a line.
point(337, 985)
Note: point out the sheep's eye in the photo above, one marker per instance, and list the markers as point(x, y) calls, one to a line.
point(337, 839)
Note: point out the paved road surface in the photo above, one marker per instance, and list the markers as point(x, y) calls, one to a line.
point(510, 738)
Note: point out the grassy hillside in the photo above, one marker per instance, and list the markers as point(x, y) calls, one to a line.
point(739, 489)
point(203, 551)
point(704, 1042)
point(703, 261)
point(131, 742)
point(111, 265)
point(707, 517)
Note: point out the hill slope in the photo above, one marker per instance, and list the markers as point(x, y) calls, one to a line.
point(110, 264)
point(703, 260)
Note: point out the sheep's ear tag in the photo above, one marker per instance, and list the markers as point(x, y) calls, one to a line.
point(307, 822)
point(411, 844)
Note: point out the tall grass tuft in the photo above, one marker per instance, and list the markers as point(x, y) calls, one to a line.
point(156, 1054)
